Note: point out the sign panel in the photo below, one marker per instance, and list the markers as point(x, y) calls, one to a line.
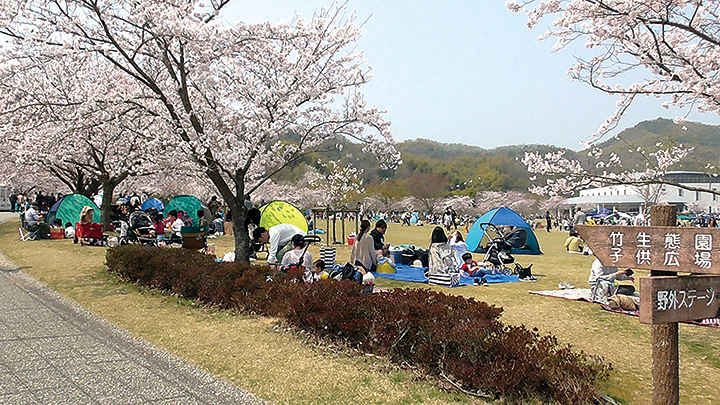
point(674, 299)
point(689, 250)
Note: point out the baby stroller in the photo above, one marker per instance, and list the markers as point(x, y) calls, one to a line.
point(138, 229)
point(497, 252)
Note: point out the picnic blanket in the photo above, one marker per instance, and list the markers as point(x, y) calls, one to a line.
point(412, 274)
point(583, 294)
point(575, 294)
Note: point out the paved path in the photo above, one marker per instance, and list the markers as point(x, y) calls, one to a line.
point(53, 351)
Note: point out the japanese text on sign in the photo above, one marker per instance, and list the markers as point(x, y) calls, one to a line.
point(673, 299)
point(691, 250)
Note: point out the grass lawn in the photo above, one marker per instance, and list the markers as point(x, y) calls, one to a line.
point(279, 366)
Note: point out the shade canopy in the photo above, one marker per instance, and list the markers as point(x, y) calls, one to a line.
point(69, 207)
point(281, 212)
point(477, 237)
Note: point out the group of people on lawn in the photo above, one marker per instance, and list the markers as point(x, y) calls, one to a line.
point(286, 247)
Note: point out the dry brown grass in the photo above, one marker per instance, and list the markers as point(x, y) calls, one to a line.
point(252, 352)
point(282, 367)
point(622, 340)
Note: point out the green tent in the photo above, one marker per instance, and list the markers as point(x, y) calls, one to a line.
point(68, 209)
point(191, 205)
point(281, 212)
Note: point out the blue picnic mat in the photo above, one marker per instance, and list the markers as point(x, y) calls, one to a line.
point(417, 275)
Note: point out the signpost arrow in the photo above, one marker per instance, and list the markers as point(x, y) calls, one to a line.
point(673, 299)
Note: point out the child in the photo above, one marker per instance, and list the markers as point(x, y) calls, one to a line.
point(317, 273)
point(367, 279)
point(69, 231)
point(159, 226)
point(218, 224)
point(471, 267)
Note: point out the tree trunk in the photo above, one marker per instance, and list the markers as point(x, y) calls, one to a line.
point(240, 231)
point(107, 199)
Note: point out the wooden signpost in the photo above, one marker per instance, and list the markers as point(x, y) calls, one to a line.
point(665, 297)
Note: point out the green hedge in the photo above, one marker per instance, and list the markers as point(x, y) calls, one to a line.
point(447, 335)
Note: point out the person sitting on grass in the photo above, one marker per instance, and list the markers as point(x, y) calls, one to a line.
point(457, 243)
point(363, 252)
point(441, 258)
point(159, 225)
point(293, 256)
point(471, 267)
point(69, 231)
point(573, 244)
point(603, 282)
point(317, 273)
point(175, 222)
point(367, 279)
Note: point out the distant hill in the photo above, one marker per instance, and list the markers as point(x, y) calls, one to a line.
point(470, 169)
point(704, 138)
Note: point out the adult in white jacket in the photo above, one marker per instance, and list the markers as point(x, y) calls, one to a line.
point(279, 237)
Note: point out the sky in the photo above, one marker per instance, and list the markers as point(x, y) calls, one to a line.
point(469, 71)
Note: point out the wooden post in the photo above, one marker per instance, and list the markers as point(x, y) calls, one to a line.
point(665, 372)
point(327, 226)
point(343, 227)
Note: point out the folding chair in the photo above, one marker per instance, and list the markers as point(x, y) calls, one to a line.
point(26, 235)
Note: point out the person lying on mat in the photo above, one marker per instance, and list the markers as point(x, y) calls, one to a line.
point(603, 282)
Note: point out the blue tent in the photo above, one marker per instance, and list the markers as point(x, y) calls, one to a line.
point(477, 239)
point(153, 203)
point(599, 212)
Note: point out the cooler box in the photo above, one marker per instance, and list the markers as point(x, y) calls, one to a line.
point(397, 256)
point(194, 237)
point(57, 233)
point(351, 240)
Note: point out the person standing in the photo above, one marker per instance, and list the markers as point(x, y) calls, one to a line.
point(580, 218)
point(21, 199)
point(548, 221)
point(13, 202)
point(214, 205)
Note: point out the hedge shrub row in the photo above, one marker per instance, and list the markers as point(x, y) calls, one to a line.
point(448, 335)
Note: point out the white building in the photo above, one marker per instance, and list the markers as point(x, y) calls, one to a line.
point(626, 198)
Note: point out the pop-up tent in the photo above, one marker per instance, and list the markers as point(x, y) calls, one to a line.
point(68, 209)
point(191, 205)
point(599, 212)
point(477, 238)
point(281, 212)
point(153, 203)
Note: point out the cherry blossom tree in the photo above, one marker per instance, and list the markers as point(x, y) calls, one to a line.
point(664, 49)
point(62, 124)
point(227, 93)
point(338, 184)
